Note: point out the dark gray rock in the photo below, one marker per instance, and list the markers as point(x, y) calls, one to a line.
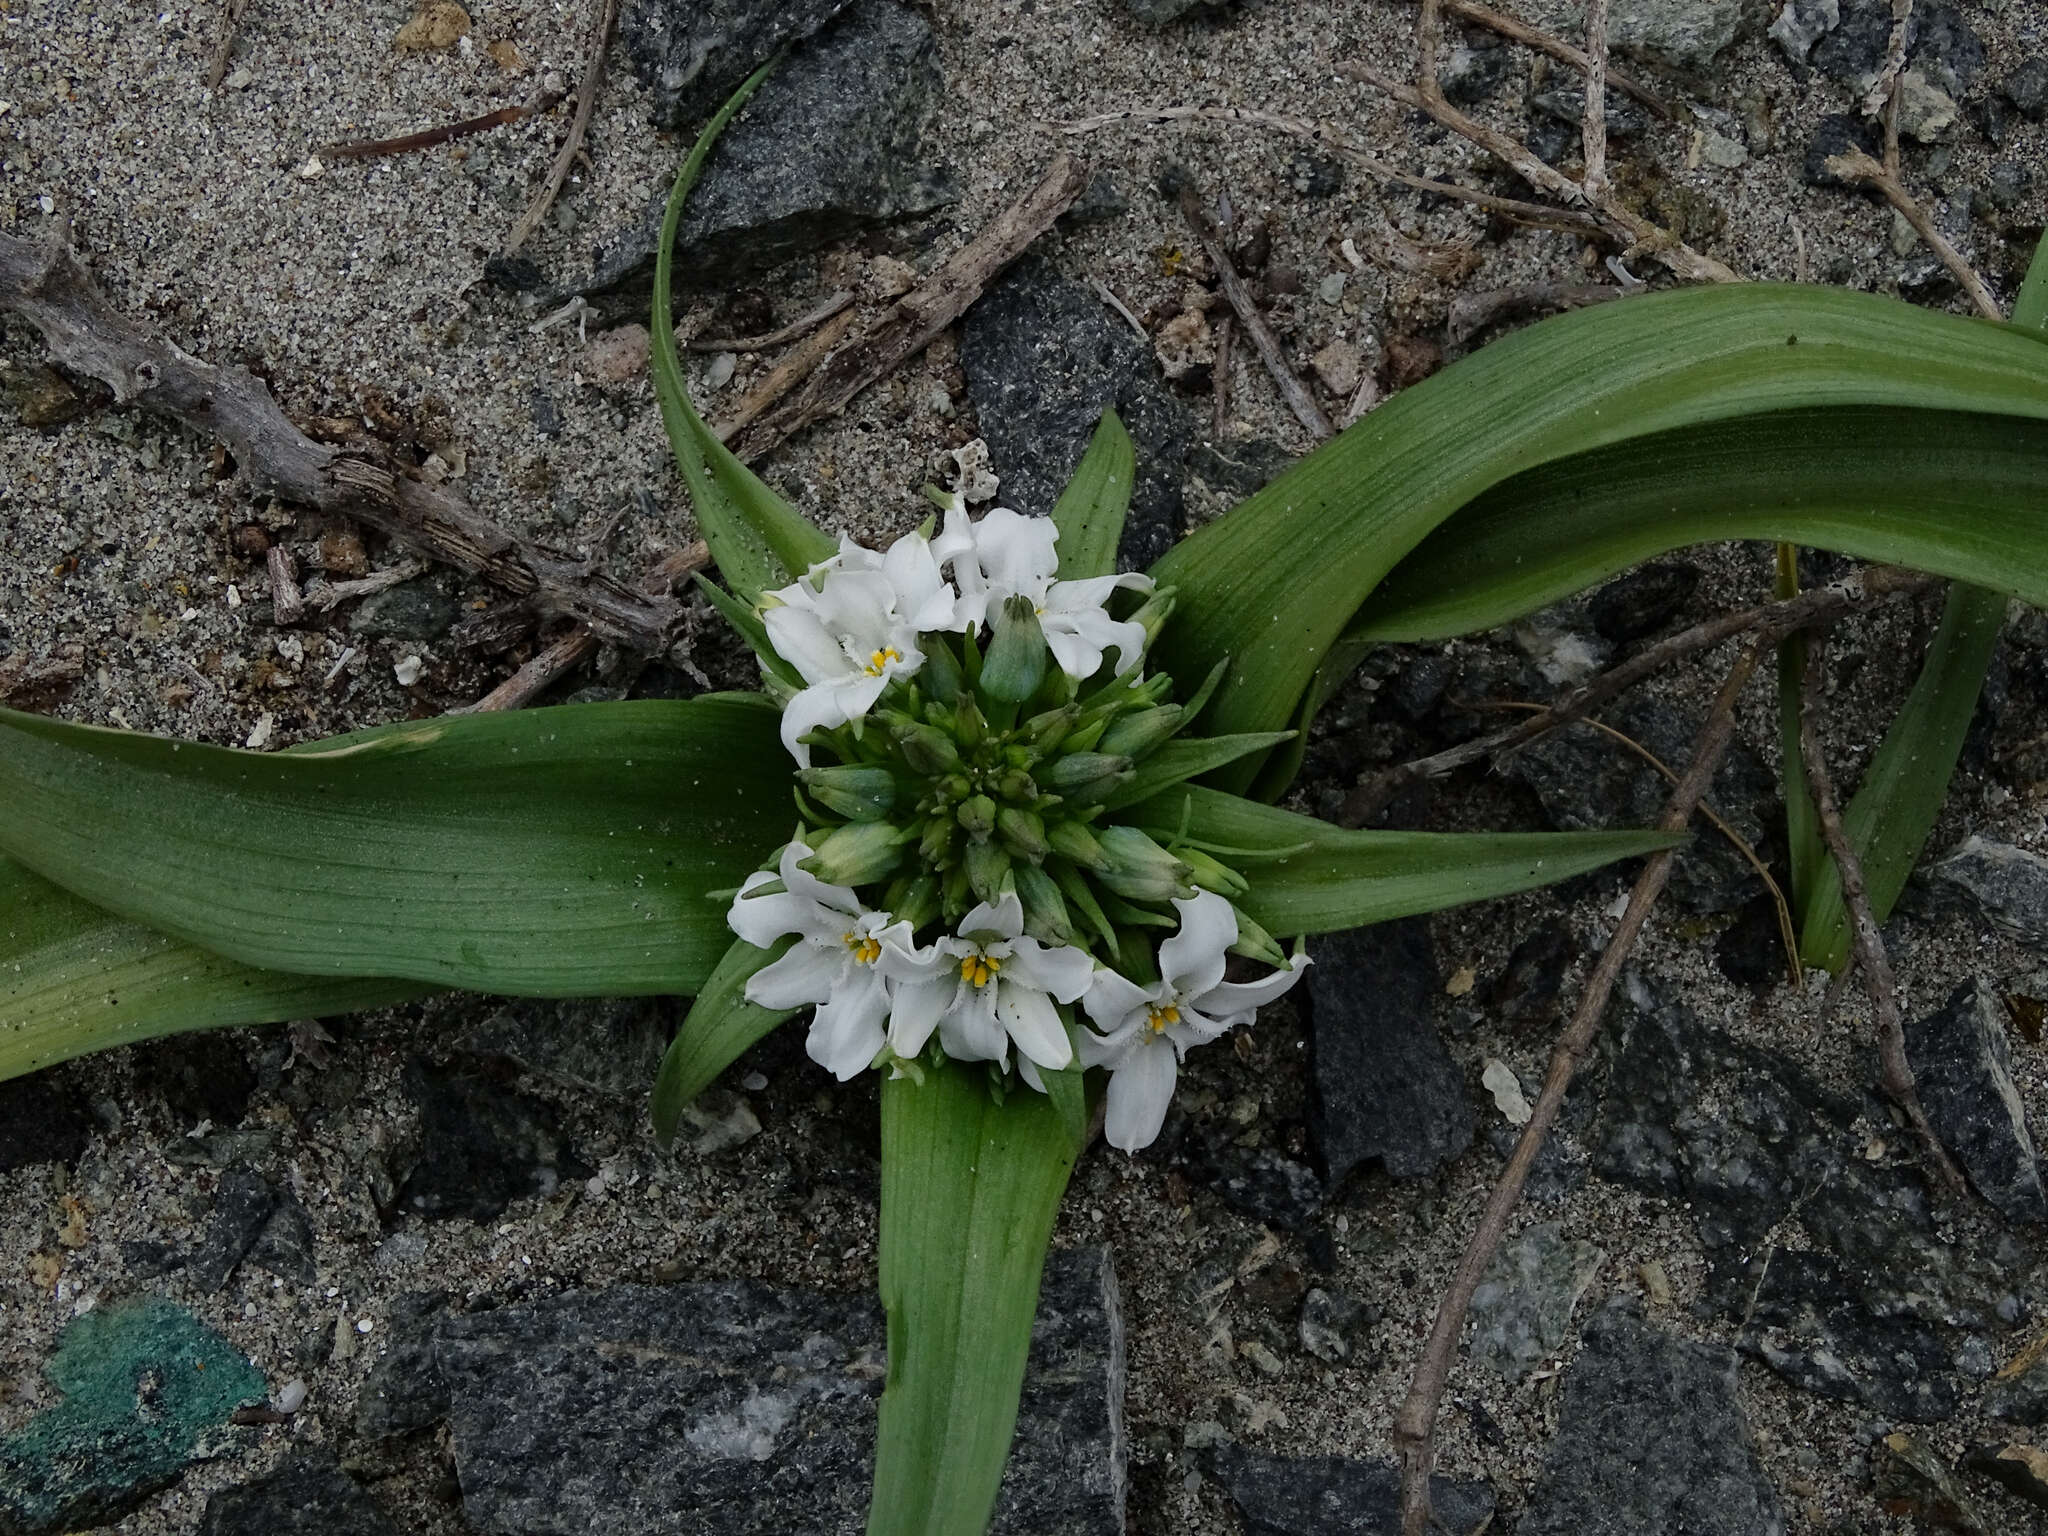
point(1332, 1324)
point(1625, 120)
point(404, 1390)
point(1259, 1181)
point(692, 54)
point(413, 610)
point(1527, 989)
point(1834, 135)
point(1158, 13)
point(607, 1045)
point(1473, 72)
point(1801, 24)
point(285, 1245)
point(2023, 1399)
point(1644, 601)
point(481, 1147)
point(242, 1207)
point(1522, 1310)
point(1651, 1437)
point(1680, 34)
point(1333, 1496)
point(308, 1494)
point(1945, 47)
point(762, 1405)
point(1585, 782)
point(1382, 1085)
point(2020, 1469)
point(1240, 468)
point(1315, 176)
point(2007, 185)
point(1939, 43)
point(2005, 884)
point(40, 1122)
point(830, 146)
point(1912, 1478)
point(1100, 202)
point(1962, 1067)
point(2027, 88)
point(1044, 358)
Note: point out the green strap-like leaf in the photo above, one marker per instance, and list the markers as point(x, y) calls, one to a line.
point(719, 1027)
point(1343, 879)
point(1090, 512)
point(1185, 758)
point(74, 979)
point(2030, 307)
point(1273, 584)
point(757, 539)
point(550, 852)
point(969, 1191)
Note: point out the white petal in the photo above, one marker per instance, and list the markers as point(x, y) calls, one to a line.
point(1237, 1001)
point(1115, 1002)
point(1110, 1050)
point(1061, 969)
point(825, 705)
point(923, 601)
point(970, 1030)
point(1191, 962)
point(1004, 917)
point(915, 1010)
point(846, 1033)
point(1139, 1093)
point(1073, 655)
point(1027, 1070)
point(761, 920)
point(806, 974)
point(802, 639)
point(1031, 1020)
point(1017, 552)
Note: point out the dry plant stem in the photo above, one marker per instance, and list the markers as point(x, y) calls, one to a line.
point(1415, 1424)
point(50, 288)
point(231, 23)
point(429, 138)
point(1108, 296)
point(326, 596)
point(803, 326)
point(1531, 37)
point(1856, 166)
point(1428, 29)
point(1246, 308)
point(908, 326)
point(1472, 313)
point(1884, 88)
point(1820, 605)
point(586, 102)
point(790, 371)
point(1220, 378)
point(1593, 128)
point(1537, 215)
point(287, 603)
point(1618, 222)
point(1870, 958)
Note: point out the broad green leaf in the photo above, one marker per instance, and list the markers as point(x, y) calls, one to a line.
point(757, 539)
point(551, 852)
point(1090, 512)
point(1889, 818)
point(1067, 1092)
point(1275, 582)
point(1958, 494)
point(969, 1191)
point(74, 979)
point(1184, 758)
point(1343, 879)
point(2030, 308)
point(719, 1027)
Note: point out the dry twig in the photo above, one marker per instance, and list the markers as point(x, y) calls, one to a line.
point(1246, 308)
point(231, 23)
point(1594, 125)
point(287, 602)
point(586, 101)
point(1472, 313)
point(429, 138)
point(908, 325)
point(51, 289)
point(1219, 386)
point(1532, 37)
point(326, 596)
point(1854, 165)
point(1415, 1424)
point(801, 363)
point(1883, 92)
point(802, 326)
point(1868, 949)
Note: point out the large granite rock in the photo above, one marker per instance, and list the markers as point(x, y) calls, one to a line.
point(481, 1147)
point(1962, 1067)
point(1334, 1496)
point(309, 1495)
point(692, 54)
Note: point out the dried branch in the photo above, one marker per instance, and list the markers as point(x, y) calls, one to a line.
point(29, 681)
point(790, 371)
point(1593, 127)
point(231, 23)
point(1472, 313)
point(1537, 215)
point(1249, 315)
point(1870, 958)
point(1857, 167)
point(51, 289)
point(1415, 1424)
point(326, 596)
point(429, 138)
point(586, 101)
point(1219, 385)
point(287, 602)
point(802, 326)
point(1533, 37)
point(1821, 605)
point(910, 324)
point(1883, 92)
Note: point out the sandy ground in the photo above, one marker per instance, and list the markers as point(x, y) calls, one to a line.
point(361, 282)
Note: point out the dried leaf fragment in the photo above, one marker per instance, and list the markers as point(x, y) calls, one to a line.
point(436, 26)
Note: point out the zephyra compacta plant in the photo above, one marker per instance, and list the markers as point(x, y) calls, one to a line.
point(959, 886)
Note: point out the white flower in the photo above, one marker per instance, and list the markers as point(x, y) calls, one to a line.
point(985, 988)
point(1148, 1029)
point(850, 626)
point(836, 962)
point(1007, 554)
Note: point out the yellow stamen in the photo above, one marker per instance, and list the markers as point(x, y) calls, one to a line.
point(979, 970)
point(1158, 1017)
point(866, 951)
point(879, 662)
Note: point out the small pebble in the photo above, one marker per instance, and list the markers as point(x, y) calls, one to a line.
point(291, 1397)
point(719, 374)
point(240, 80)
point(1331, 288)
point(407, 672)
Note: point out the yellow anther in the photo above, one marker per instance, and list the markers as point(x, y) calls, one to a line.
point(879, 662)
point(978, 970)
point(1157, 1017)
point(866, 951)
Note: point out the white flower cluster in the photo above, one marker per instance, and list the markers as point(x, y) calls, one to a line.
point(852, 627)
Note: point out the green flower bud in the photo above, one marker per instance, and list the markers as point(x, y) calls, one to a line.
point(913, 898)
point(1071, 840)
point(1213, 876)
point(937, 842)
point(954, 891)
point(1085, 736)
point(1153, 615)
point(1255, 943)
point(1082, 778)
point(926, 748)
point(857, 854)
point(970, 726)
point(1016, 784)
point(1140, 732)
point(857, 793)
point(977, 814)
point(1045, 914)
point(940, 673)
point(1138, 869)
point(1083, 901)
point(988, 866)
point(1017, 655)
point(1046, 731)
point(1023, 833)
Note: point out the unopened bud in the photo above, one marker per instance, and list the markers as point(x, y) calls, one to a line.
point(1142, 731)
point(940, 673)
point(937, 841)
point(926, 748)
point(1045, 914)
point(1138, 869)
point(1022, 833)
point(1017, 784)
point(1081, 778)
point(1072, 840)
point(970, 726)
point(857, 793)
point(1255, 943)
point(977, 814)
point(988, 866)
point(1153, 615)
point(1017, 655)
point(1046, 731)
point(857, 854)
point(1211, 875)
point(913, 899)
